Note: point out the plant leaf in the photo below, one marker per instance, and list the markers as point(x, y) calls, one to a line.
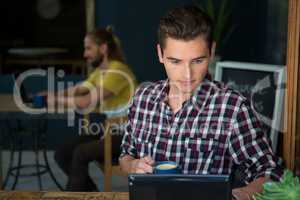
point(210, 9)
point(287, 189)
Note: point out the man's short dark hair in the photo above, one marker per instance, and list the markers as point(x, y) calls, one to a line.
point(185, 23)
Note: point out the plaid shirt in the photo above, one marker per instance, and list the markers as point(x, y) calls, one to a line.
point(214, 132)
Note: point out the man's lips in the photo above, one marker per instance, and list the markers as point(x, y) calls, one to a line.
point(186, 83)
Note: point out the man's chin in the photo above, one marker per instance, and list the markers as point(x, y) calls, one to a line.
point(183, 89)
point(186, 92)
point(186, 89)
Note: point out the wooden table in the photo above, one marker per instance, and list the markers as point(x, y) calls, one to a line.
point(36, 57)
point(22, 195)
point(7, 103)
point(8, 106)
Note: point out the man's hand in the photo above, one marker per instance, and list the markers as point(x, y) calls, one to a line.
point(246, 193)
point(142, 166)
point(240, 194)
point(131, 165)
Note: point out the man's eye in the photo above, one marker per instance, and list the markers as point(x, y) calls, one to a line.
point(175, 61)
point(198, 61)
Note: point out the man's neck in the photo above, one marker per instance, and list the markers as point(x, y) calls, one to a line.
point(177, 98)
point(104, 64)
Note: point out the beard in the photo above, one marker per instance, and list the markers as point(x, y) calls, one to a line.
point(96, 61)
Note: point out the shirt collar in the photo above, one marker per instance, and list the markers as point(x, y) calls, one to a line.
point(163, 90)
point(202, 92)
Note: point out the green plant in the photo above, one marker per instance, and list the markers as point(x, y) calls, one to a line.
point(287, 189)
point(221, 18)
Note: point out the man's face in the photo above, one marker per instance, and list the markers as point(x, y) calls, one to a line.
point(92, 52)
point(186, 63)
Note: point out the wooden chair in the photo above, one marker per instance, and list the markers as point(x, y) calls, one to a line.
point(108, 167)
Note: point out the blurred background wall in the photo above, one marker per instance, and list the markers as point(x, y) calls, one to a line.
point(259, 33)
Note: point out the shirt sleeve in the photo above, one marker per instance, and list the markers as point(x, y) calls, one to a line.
point(115, 80)
point(250, 149)
point(128, 144)
point(89, 82)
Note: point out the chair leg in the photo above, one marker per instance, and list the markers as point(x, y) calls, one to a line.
point(11, 161)
point(37, 161)
point(18, 168)
point(50, 171)
point(43, 147)
point(107, 158)
point(44, 150)
point(107, 181)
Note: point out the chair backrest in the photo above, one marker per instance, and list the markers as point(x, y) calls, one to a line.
point(7, 82)
point(109, 169)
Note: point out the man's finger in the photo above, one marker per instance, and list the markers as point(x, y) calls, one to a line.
point(145, 167)
point(148, 160)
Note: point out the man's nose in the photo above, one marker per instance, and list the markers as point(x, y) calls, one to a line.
point(187, 72)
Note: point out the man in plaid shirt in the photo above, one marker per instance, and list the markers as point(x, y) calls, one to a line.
point(203, 126)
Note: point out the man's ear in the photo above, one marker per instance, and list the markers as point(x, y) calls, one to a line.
point(159, 53)
point(103, 48)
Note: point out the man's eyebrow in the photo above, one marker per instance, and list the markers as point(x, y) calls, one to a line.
point(200, 57)
point(197, 58)
point(171, 58)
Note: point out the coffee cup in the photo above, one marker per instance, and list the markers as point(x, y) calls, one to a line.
point(166, 167)
point(39, 101)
